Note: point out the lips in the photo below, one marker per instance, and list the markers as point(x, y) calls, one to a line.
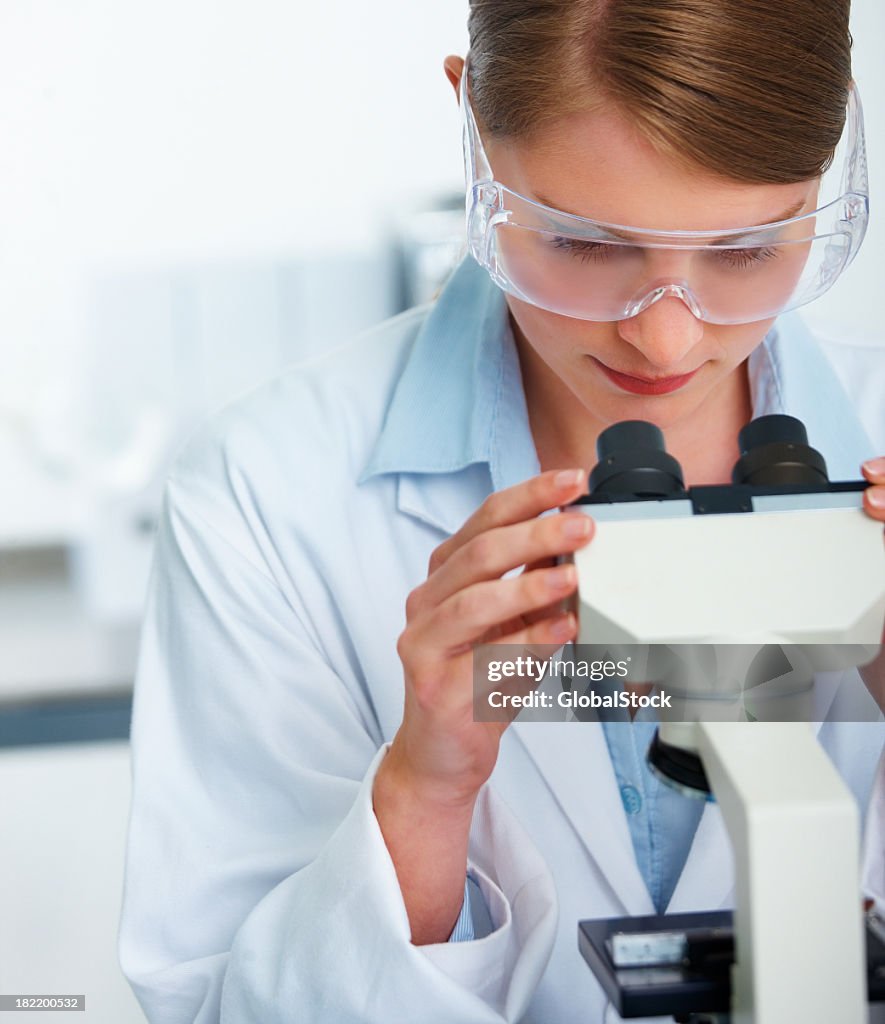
point(645, 385)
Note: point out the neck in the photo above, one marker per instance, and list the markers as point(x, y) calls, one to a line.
point(565, 430)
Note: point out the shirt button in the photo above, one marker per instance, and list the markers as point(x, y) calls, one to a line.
point(631, 799)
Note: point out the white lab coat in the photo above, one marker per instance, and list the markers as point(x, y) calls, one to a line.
point(258, 887)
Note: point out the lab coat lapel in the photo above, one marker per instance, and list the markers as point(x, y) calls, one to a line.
point(574, 761)
point(707, 879)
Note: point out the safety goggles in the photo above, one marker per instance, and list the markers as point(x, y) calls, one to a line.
point(594, 270)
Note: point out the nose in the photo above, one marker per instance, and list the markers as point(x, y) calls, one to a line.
point(665, 331)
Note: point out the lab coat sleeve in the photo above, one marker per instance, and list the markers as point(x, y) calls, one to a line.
point(257, 883)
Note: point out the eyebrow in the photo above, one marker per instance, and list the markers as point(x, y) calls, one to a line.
point(786, 215)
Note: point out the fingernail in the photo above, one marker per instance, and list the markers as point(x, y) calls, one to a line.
point(568, 478)
point(561, 577)
point(576, 524)
point(876, 466)
point(876, 497)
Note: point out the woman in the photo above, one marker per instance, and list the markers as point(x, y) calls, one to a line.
point(310, 789)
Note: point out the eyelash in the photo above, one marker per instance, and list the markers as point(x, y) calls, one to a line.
point(583, 250)
point(598, 252)
point(744, 257)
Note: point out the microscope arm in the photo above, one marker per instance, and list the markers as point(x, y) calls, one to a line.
point(794, 828)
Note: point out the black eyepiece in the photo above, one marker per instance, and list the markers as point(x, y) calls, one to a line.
point(634, 462)
point(775, 450)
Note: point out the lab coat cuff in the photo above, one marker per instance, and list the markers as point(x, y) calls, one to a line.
point(515, 883)
point(333, 940)
point(504, 967)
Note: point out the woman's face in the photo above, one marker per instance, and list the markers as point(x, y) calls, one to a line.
point(596, 165)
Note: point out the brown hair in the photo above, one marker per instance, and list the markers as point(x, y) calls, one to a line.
point(753, 90)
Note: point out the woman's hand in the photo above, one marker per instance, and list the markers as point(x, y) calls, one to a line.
point(427, 784)
point(463, 602)
point(874, 505)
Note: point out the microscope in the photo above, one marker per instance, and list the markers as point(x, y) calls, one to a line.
point(739, 600)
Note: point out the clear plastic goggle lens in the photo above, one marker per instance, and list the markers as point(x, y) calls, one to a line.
point(573, 266)
point(600, 280)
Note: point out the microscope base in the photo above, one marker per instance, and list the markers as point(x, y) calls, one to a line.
point(678, 990)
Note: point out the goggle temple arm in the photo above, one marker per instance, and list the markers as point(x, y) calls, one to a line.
point(477, 163)
point(856, 179)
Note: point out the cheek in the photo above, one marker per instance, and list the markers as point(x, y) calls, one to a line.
point(556, 337)
point(737, 341)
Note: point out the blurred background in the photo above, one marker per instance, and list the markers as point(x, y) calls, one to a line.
point(193, 194)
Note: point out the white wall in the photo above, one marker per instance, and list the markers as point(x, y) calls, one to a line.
point(64, 810)
point(183, 186)
point(165, 166)
point(135, 138)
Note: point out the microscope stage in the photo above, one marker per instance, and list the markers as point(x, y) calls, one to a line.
point(661, 983)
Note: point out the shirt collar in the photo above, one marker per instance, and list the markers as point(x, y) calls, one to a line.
point(460, 401)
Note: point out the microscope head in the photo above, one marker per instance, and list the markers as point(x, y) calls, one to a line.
point(774, 577)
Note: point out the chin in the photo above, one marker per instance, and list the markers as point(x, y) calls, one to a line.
point(664, 411)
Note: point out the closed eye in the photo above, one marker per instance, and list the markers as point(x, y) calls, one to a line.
point(585, 249)
point(746, 257)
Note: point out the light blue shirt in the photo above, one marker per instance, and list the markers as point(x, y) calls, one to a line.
point(662, 821)
point(460, 403)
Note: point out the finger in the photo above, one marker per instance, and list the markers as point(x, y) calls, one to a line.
point(543, 563)
point(513, 505)
point(528, 618)
point(874, 470)
point(874, 502)
point(502, 549)
point(537, 638)
point(555, 608)
point(536, 643)
point(467, 616)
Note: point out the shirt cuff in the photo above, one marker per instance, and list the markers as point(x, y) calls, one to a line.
point(463, 930)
